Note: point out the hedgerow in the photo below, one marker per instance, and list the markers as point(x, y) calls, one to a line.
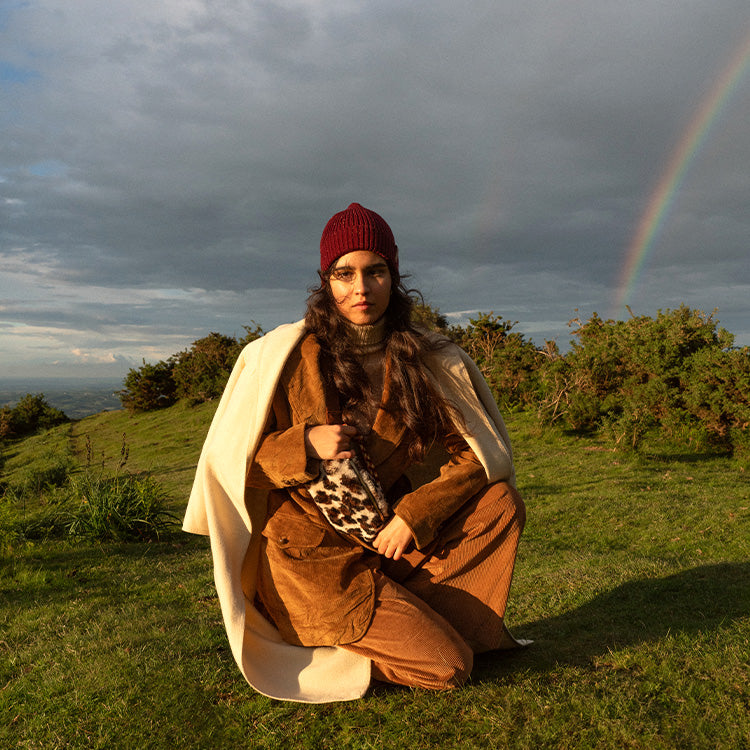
point(677, 375)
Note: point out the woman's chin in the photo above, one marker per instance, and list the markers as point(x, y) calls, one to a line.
point(363, 317)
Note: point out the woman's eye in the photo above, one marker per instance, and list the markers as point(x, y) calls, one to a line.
point(343, 275)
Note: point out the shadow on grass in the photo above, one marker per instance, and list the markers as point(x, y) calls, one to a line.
point(56, 572)
point(691, 602)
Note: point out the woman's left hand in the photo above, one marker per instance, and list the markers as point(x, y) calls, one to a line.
point(394, 539)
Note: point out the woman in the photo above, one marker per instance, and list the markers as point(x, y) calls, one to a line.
point(430, 591)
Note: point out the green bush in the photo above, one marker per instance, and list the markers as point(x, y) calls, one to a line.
point(149, 387)
point(717, 393)
point(197, 374)
point(31, 414)
point(676, 373)
point(426, 316)
point(201, 372)
point(507, 360)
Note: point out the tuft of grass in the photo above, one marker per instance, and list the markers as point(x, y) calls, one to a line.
point(119, 505)
point(51, 498)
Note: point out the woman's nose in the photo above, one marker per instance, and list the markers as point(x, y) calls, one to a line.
point(360, 283)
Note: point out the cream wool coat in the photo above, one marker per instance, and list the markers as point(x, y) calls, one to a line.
point(232, 516)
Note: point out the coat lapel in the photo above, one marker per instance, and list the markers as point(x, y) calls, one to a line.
point(313, 405)
point(388, 428)
point(307, 397)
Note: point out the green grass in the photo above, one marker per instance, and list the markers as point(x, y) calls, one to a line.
point(633, 578)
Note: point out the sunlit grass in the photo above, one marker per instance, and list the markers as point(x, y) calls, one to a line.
point(633, 579)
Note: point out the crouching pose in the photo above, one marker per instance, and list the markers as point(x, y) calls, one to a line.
point(314, 607)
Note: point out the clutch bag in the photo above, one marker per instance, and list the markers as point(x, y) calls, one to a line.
point(348, 494)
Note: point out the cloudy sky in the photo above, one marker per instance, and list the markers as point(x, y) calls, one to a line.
point(166, 168)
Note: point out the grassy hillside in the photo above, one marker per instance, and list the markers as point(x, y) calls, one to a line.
point(633, 579)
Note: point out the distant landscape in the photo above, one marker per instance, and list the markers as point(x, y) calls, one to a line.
point(77, 397)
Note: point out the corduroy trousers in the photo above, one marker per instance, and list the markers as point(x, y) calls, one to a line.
point(437, 607)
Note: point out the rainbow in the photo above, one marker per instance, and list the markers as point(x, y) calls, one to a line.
point(680, 160)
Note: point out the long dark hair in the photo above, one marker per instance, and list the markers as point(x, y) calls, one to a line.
point(427, 415)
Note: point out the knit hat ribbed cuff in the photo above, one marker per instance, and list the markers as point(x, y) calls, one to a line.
point(357, 228)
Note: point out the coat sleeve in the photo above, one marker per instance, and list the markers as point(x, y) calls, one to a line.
point(281, 459)
point(460, 477)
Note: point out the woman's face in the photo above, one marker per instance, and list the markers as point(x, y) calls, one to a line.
point(361, 286)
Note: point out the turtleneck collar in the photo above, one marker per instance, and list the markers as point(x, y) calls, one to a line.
point(367, 338)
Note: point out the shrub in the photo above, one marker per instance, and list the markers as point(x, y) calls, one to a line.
point(507, 360)
point(717, 395)
point(252, 333)
point(197, 374)
point(31, 414)
point(676, 373)
point(6, 422)
point(425, 316)
point(201, 372)
point(149, 387)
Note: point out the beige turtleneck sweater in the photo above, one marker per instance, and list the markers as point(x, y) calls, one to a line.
point(369, 345)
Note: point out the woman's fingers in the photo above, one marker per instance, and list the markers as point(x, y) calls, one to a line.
point(328, 441)
point(394, 539)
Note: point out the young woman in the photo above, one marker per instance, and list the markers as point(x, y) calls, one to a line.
point(313, 613)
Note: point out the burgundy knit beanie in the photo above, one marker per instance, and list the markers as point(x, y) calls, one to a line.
point(357, 228)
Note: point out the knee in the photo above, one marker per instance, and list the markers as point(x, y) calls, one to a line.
point(518, 507)
point(452, 670)
point(508, 501)
point(448, 667)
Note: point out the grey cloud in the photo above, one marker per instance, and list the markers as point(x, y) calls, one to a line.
point(203, 146)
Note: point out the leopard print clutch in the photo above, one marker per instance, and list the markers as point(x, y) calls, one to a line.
point(349, 495)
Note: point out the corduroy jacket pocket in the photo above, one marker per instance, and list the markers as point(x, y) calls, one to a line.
point(318, 587)
point(295, 536)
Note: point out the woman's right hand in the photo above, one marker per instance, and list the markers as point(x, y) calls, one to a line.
point(328, 441)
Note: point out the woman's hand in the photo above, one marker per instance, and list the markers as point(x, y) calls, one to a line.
point(394, 539)
point(328, 441)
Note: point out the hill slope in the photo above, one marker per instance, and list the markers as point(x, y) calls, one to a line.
point(633, 579)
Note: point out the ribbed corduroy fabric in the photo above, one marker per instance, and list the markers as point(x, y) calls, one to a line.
point(435, 608)
point(357, 228)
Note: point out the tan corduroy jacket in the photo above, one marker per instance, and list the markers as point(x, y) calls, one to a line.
point(317, 586)
point(232, 516)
